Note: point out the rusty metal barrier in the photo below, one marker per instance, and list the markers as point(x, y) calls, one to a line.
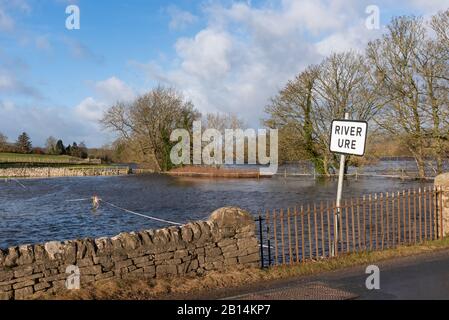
point(370, 223)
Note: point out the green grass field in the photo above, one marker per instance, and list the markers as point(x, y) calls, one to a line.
point(16, 159)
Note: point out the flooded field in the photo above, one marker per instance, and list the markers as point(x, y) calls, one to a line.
point(41, 209)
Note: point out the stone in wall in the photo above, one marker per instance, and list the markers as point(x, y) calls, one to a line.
point(226, 239)
point(442, 181)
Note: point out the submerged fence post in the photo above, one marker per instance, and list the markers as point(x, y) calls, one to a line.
point(267, 222)
point(261, 242)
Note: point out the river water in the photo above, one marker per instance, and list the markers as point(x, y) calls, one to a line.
point(41, 210)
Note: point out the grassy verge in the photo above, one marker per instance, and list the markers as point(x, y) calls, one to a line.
point(140, 289)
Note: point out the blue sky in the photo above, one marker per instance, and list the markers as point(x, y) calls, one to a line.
point(226, 56)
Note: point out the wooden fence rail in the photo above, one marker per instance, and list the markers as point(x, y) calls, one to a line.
point(373, 222)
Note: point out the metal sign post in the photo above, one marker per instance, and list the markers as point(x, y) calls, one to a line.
point(347, 137)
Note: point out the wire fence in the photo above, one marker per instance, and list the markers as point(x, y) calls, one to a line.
point(393, 167)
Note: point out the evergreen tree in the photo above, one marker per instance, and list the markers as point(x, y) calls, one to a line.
point(24, 143)
point(75, 151)
point(68, 150)
point(60, 149)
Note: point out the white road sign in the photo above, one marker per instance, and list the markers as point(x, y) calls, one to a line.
point(348, 137)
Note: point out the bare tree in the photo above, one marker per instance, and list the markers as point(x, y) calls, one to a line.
point(50, 145)
point(307, 105)
point(393, 58)
point(410, 68)
point(291, 111)
point(440, 24)
point(431, 70)
point(222, 121)
point(149, 121)
point(344, 86)
point(3, 142)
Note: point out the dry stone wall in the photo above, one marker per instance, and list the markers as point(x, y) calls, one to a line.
point(37, 172)
point(226, 239)
point(442, 182)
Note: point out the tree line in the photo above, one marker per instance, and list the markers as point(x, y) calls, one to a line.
point(53, 146)
point(56, 147)
point(145, 125)
point(399, 84)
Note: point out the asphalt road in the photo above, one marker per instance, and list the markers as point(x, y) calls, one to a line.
point(425, 276)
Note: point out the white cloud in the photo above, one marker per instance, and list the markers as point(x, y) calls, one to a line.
point(22, 5)
point(90, 109)
point(43, 43)
point(76, 123)
point(207, 55)
point(107, 92)
point(246, 54)
point(15, 79)
point(235, 63)
point(430, 6)
point(315, 16)
point(7, 83)
point(113, 90)
point(80, 51)
point(352, 38)
point(10, 84)
point(180, 19)
point(6, 22)
point(41, 121)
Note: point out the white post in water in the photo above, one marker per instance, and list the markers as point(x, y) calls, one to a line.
point(339, 193)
